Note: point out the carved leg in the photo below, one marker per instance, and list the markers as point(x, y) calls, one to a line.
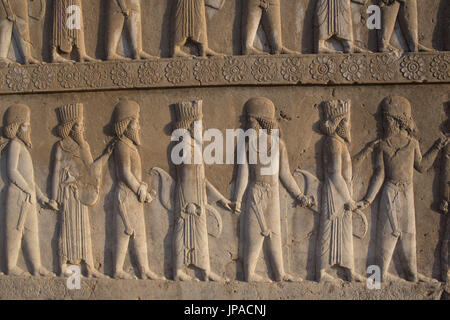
point(408, 21)
point(276, 255)
point(6, 29)
point(13, 244)
point(385, 249)
point(445, 254)
point(23, 38)
point(32, 247)
point(389, 16)
point(115, 28)
point(253, 246)
point(122, 241)
point(252, 18)
point(407, 255)
point(134, 28)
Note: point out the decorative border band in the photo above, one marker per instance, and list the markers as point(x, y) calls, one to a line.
point(341, 69)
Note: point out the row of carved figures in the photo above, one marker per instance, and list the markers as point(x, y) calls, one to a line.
point(189, 195)
point(333, 22)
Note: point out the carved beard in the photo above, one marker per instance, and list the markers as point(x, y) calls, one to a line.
point(134, 136)
point(344, 132)
point(78, 137)
point(25, 137)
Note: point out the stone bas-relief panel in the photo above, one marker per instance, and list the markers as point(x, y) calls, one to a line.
point(308, 117)
point(92, 93)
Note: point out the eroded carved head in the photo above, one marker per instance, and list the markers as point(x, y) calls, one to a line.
point(260, 113)
point(397, 116)
point(126, 120)
point(16, 123)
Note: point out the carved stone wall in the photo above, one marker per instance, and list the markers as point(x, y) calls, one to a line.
point(297, 84)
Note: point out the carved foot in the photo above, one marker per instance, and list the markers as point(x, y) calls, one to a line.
point(178, 53)
point(86, 58)
point(252, 51)
point(122, 275)
point(289, 278)
point(151, 275)
point(31, 60)
point(56, 58)
point(326, 277)
point(117, 57)
point(390, 49)
point(357, 49)
point(422, 48)
point(182, 276)
point(145, 56)
point(17, 272)
point(388, 277)
point(210, 53)
point(423, 278)
point(7, 60)
point(257, 278)
point(43, 272)
point(285, 50)
point(94, 273)
point(356, 277)
point(325, 49)
point(212, 276)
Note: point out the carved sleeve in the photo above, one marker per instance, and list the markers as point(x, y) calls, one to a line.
point(242, 176)
point(56, 172)
point(213, 192)
point(285, 173)
point(422, 164)
point(378, 178)
point(123, 163)
point(13, 173)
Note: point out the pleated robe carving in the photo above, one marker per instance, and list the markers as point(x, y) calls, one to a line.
point(334, 18)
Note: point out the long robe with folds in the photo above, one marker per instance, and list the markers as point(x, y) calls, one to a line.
point(75, 233)
point(190, 21)
point(336, 229)
point(334, 18)
point(65, 38)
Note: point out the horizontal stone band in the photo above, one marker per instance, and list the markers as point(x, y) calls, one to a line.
point(341, 69)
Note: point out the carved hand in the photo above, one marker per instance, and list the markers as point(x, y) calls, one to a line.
point(363, 204)
point(142, 192)
point(150, 196)
point(226, 204)
point(444, 206)
point(236, 207)
point(53, 205)
point(305, 201)
point(373, 144)
point(441, 142)
point(44, 201)
point(350, 206)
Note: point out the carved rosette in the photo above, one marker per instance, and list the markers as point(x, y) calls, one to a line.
point(42, 77)
point(440, 67)
point(150, 72)
point(206, 71)
point(234, 70)
point(121, 75)
point(176, 72)
point(264, 70)
point(382, 67)
point(353, 68)
point(69, 76)
point(323, 68)
point(95, 76)
point(292, 69)
point(18, 79)
point(412, 67)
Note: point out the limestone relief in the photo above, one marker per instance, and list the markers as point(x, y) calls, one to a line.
point(397, 155)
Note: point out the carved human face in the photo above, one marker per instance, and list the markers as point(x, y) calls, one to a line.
point(133, 131)
point(390, 126)
point(343, 130)
point(78, 131)
point(24, 133)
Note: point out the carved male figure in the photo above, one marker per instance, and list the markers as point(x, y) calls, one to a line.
point(335, 21)
point(76, 184)
point(190, 25)
point(125, 13)
point(267, 13)
point(190, 242)
point(130, 191)
point(22, 193)
point(397, 155)
point(445, 196)
point(405, 11)
point(14, 13)
point(67, 36)
point(335, 246)
point(262, 221)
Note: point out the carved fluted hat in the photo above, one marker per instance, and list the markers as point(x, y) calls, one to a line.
point(69, 113)
point(16, 114)
point(399, 108)
point(334, 109)
point(261, 107)
point(186, 112)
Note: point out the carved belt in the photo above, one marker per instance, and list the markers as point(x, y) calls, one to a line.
point(399, 184)
point(264, 4)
